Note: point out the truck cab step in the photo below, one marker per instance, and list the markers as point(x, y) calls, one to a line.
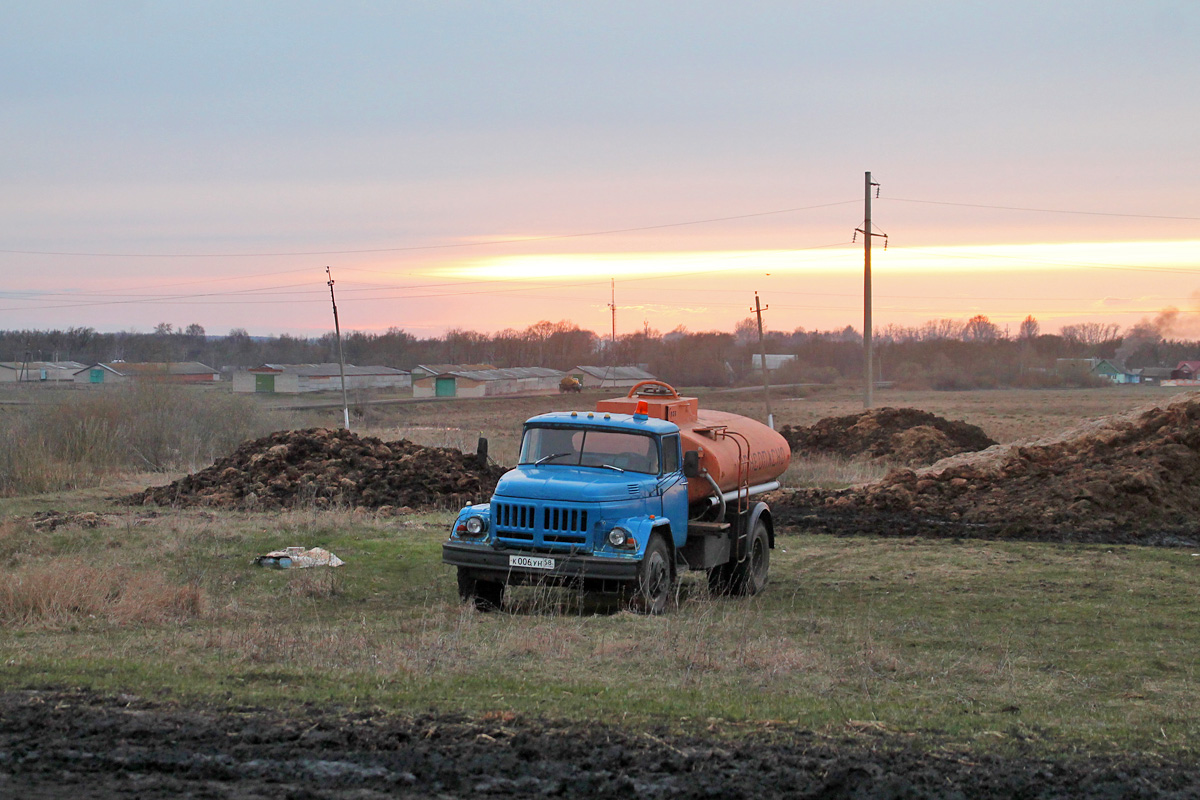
point(707, 528)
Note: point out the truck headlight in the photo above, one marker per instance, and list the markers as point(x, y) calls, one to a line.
point(618, 536)
point(473, 526)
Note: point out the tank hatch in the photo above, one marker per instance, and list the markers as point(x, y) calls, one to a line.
point(660, 400)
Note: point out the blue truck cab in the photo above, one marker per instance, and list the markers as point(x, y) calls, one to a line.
point(600, 500)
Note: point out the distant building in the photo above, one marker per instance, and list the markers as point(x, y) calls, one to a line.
point(1186, 371)
point(1154, 375)
point(611, 377)
point(44, 372)
point(430, 370)
point(299, 378)
point(166, 371)
point(487, 382)
point(774, 360)
point(1113, 371)
point(1108, 369)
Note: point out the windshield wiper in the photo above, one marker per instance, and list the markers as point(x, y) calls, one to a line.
point(550, 457)
point(610, 466)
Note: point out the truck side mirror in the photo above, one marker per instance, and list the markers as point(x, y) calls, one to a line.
point(691, 463)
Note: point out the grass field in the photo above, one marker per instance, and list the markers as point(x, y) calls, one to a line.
point(985, 642)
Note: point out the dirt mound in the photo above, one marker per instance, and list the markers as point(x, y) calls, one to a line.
point(905, 435)
point(322, 467)
point(1132, 477)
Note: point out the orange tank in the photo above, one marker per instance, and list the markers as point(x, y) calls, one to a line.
point(723, 439)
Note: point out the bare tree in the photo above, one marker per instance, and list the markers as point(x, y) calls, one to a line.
point(980, 329)
point(1029, 329)
point(937, 329)
point(746, 331)
point(1091, 333)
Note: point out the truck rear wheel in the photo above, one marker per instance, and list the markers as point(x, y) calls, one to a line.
point(749, 577)
point(485, 595)
point(655, 579)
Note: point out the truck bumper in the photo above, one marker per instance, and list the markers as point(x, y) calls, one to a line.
point(485, 562)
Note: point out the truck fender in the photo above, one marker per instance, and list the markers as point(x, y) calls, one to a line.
point(662, 526)
point(643, 527)
point(762, 511)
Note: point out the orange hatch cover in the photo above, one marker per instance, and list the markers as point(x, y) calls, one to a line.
point(661, 400)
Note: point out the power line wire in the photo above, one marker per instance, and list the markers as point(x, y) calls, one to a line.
point(492, 242)
point(1042, 210)
point(940, 253)
point(184, 299)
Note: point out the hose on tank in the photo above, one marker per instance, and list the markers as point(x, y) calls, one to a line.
point(717, 490)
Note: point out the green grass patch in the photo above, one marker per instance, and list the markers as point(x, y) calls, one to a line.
point(978, 641)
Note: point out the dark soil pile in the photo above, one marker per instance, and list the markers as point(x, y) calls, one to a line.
point(56, 744)
point(323, 468)
point(1131, 477)
point(905, 435)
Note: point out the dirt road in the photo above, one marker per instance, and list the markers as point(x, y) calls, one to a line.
point(81, 745)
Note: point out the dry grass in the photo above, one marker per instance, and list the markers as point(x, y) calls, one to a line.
point(19, 541)
point(76, 439)
point(68, 591)
point(311, 584)
point(832, 472)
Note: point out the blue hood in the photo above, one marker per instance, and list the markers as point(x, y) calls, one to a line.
point(573, 484)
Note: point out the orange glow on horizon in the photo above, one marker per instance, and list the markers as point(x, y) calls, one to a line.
point(818, 289)
point(973, 259)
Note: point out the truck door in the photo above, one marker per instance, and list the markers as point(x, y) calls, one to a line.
point(673, 486)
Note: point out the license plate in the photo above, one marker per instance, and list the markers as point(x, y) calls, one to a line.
point(530, 562)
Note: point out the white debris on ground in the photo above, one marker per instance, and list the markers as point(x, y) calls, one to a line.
point(298, 558)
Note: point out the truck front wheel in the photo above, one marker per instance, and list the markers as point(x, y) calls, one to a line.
point(655, 579)
point(485, 595)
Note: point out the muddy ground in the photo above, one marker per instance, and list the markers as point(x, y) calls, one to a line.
point(80, 745)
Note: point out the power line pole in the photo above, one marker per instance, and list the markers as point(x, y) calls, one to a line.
point(613, 307)
point(762, 348)
point(868, 353)
point(337, 329)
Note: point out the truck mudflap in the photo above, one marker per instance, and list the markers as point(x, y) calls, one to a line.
point(515, 567)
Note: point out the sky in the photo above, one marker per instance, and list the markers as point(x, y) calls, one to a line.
point(487, 165)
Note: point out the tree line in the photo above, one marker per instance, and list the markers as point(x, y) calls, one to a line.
point(940, 354)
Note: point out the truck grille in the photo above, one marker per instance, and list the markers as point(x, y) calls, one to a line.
point(528, 523)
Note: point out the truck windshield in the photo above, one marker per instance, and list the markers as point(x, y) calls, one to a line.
point(630, 452)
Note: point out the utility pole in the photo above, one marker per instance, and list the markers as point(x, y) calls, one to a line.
point(865, 230)
point(613, 307)
point(762, 348)
point(341, 358)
